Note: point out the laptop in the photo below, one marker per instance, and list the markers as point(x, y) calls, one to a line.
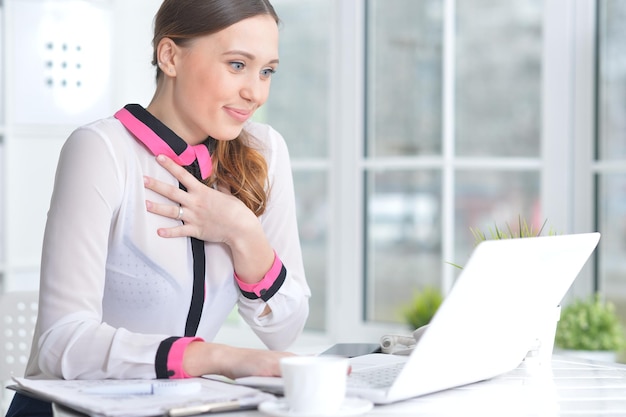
point(485, 325)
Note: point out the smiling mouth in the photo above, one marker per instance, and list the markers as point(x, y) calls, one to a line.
point(239, 115)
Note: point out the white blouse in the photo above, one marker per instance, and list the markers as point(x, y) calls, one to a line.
point(112, 290)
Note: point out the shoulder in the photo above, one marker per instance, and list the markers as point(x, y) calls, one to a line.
point(106, 134)
point(104, 142)
point(108, 128)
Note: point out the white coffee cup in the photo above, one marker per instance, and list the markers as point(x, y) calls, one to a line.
point(314, 385)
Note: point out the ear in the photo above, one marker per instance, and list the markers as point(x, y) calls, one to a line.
point(166, 56)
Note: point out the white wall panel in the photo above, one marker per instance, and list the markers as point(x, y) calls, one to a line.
point(57, 75)
point(60, 57)
point(133, 75)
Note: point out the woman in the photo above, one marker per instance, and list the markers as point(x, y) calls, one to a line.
point(143, 261)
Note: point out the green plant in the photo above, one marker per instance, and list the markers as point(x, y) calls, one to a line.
point(423, 307)
point(523, 230)
point(590, 324)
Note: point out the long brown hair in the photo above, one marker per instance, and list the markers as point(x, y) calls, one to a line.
point(235, 163)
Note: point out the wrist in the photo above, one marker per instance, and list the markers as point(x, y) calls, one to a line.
point(267, 286)
point(244, 230)
point(253, 256)
point(203, 358)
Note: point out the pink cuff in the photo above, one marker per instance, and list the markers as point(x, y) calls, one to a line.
point(175, 357)
point(268, 286)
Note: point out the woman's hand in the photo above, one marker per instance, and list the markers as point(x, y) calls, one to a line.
point(207, 214)
point(213, 216)
point(233, 362)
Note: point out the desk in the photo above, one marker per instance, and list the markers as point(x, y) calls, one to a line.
point(570, 387)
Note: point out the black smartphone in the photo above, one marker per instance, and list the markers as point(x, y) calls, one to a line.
point(350, 350)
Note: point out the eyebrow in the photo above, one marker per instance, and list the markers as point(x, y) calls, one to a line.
point(248, 55)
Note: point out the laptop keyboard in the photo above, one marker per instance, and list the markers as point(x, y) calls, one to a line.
point(375, 377)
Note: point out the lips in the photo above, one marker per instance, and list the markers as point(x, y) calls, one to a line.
point(238, 114)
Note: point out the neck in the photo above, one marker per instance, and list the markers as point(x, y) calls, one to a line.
point(161, 108)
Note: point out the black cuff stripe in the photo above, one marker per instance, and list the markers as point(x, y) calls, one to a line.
point(266, 294)
point(160, 361)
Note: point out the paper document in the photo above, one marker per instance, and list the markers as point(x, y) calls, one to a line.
point(117, 398)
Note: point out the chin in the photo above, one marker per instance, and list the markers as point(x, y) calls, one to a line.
point(227, 134)
point(225, 138)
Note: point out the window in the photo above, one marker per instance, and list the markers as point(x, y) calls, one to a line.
point(411, 122)
point(298, 109)
point(610, 151)
point(453, 121)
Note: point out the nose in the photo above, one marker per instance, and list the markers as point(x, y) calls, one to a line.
point(255, 90)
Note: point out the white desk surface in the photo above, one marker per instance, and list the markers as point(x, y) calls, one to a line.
point(570, 387)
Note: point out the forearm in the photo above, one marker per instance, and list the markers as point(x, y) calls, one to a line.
point(252, 254)
point(202, 358)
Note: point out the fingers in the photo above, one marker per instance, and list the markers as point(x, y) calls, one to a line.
point(187, 206)
point(180, 173)
point(180, 231)
point(171, 192)
point(173, 212)
point(166, 210)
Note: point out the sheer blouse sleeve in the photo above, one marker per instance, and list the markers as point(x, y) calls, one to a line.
point(72, 341)
point(290, 303)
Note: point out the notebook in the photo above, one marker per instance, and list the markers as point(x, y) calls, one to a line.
point(488, 321)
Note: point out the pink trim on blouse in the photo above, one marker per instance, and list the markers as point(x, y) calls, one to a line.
point(266, 282)
point(175, 356)
point(159, 147)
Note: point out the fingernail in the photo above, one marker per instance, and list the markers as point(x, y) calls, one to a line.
point(145, 180)
point(160, 158)
point(148, 204)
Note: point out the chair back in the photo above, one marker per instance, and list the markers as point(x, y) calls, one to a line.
point(18, 315)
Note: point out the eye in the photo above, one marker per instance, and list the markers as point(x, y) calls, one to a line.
point(267, 72)
point(237, 66)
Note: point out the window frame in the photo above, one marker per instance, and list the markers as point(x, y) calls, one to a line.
point(566, 164)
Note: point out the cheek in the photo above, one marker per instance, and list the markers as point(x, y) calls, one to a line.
point(202, 96)
point(216, 88)
point(198, 76)
point(202, 85)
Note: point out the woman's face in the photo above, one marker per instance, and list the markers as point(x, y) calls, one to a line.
point(222, 78)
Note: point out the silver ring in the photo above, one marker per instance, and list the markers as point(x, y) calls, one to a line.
point(180, 213)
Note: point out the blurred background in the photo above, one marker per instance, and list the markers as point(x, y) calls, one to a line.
point(409, 123)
